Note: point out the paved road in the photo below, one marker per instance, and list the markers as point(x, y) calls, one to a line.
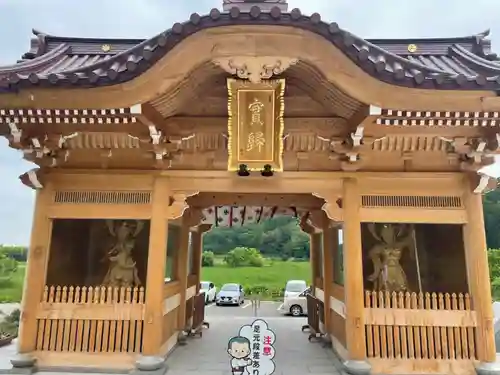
point(294, 354)
point(267, 309)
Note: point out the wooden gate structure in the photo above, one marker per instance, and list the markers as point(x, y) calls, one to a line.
point(143, 145)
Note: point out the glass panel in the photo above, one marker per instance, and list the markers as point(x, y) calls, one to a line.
point(230, 288)
point(320, 255)
point(338, 260)
point(191, 269)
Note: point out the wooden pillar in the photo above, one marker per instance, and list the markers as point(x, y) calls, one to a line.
point(327, 270)
point(478, 275)
point(315, 248)
point(182, 272)
point(353, 266)
point(197, 250)
point(36, 270)
point(155, 279)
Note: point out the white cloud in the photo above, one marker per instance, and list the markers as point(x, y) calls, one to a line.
point(142, 19)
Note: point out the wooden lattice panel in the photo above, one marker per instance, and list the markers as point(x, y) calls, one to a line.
point(415, 201)
point(102, 197)
point(432, 118)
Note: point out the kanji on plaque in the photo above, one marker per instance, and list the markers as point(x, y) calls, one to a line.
point(252, 351)
point(256, 108)
point(256, 141)
point(255, 125)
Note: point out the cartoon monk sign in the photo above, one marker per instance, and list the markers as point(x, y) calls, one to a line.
point(252, 350)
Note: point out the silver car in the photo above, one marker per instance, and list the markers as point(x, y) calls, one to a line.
point(230, 294)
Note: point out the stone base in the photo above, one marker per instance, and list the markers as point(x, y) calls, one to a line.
point(150, 365)
point(357, 367)
point(488, 368)
point(23, 364)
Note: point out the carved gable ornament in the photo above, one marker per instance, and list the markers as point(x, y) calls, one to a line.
point(255, 124)
point(255, 69)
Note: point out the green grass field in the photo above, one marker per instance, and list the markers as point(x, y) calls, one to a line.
point(12, 290)
point(273, 275)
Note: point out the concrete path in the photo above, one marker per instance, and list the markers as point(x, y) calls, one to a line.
point(208, 355)
point(294, 354)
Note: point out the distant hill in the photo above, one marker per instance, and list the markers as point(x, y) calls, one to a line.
point(278, 237)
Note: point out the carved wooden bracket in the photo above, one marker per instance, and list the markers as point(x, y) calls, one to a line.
point(32, 178)
point(484, 183)
point(255, 69)
point(47, 151)
point(192, 217)
point(348, 149)
point(306, 227)
point(204, 228)
point(473, 153)
point(178, 204)
point(332, 206)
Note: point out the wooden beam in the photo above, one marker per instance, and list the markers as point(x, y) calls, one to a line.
point(38, 130)
point(204, 200)
point(359, 117)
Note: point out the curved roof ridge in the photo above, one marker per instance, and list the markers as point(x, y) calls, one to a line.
point(401, 59)
point(153, 43)
point(60, 38)
point(122, 56)
point(467, 38)
point(478, 61)
point(38, 61)
point(457, 39)
point(386, 65)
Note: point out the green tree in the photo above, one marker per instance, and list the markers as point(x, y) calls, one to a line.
point(19, 253)
point(494, 263)
point(207, 259)
point(271, 237)
point(244, 257)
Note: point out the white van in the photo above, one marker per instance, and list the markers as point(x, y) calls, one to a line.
point(295, 306)
point(294, 287)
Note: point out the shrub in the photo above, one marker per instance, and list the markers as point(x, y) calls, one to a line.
point(10, 325)
point(207, 259)
point(263, 291)
point(244, 257)
point(8, 266)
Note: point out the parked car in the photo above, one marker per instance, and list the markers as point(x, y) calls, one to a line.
point(230, 294)
point(294, 287)
point(297, 305)
point(210, 291)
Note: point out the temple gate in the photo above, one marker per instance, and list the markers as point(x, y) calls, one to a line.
point(254, 108)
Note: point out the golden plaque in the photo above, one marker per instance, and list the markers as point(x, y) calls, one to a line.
point(255, 125)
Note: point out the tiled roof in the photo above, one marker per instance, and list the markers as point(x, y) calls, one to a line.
point(449, 64)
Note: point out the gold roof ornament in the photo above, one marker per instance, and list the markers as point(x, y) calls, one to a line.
point(105, 48)
point(412, 48)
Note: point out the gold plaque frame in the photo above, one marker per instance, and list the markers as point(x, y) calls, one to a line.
point(255, 147)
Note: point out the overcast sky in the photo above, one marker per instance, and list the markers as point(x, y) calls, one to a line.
point(145, 18)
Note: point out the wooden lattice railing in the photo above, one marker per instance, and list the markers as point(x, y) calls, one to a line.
point(92, 320)
point(419, 326)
